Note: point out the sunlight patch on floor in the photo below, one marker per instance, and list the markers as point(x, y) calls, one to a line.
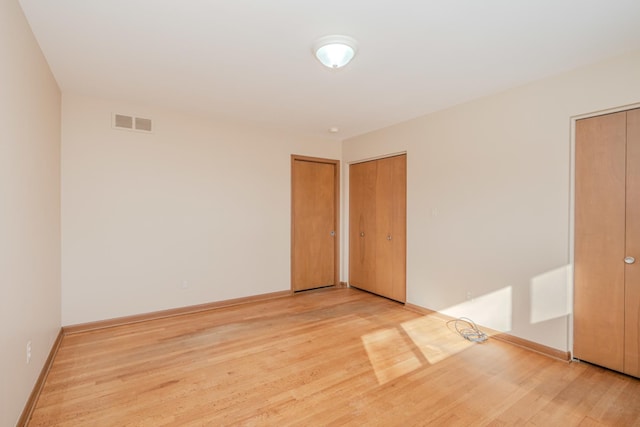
point(391, 354)
point(430, 339)
point(420, 342)
point(434, 339)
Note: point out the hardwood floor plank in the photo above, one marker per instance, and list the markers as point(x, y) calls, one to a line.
point(327, 357)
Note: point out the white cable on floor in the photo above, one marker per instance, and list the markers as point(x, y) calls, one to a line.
point(470, 332)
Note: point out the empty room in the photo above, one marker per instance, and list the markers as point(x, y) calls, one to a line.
point(363, 213)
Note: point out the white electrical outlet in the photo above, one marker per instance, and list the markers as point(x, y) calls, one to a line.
point(28, 351)
point(469, 296)
point(184, 284)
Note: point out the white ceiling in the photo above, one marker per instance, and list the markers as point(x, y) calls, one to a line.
point(251, 60)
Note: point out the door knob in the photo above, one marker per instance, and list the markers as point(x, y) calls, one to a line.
point(333, 233)
point(362, 234)
point(629, 260)
point(388, 236)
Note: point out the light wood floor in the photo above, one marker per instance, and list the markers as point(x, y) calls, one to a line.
point(331, 357)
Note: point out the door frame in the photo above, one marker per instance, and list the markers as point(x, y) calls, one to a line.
point(572, 210)
point(336, 217)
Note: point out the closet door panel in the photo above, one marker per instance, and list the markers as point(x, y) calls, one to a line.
point(362, 233)
point(399, 229)
point(632, 271)
point(391, 227)
point(384, 227)
point(599, 240)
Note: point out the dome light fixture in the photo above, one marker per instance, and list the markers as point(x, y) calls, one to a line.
point(335, 51)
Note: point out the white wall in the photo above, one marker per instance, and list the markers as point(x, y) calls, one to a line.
point(489, 198)
point(196, 201)
point(29, 210)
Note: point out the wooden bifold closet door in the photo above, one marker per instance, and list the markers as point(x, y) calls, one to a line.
point(607, 241)
point(377, 226)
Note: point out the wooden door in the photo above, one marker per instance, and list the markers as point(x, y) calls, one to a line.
point(607, 280)
point(599, 240)
point(314, 252)
point(632, 271)
point(362, 225)
point(391, 228)
point(377, 226)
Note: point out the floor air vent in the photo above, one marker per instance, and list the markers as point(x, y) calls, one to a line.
point(139, 124)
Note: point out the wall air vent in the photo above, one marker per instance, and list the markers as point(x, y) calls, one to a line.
point(143, 124)
point(123, 122)
point(137, 124)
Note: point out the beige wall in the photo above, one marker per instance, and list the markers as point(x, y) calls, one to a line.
point(29, 210)
point(489, 198)
point(209, 203)
point(197, 201)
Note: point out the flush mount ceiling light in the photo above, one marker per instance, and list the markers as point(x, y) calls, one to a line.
point(335, 51)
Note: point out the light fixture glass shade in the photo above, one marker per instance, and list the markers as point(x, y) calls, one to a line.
point(335, 51)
